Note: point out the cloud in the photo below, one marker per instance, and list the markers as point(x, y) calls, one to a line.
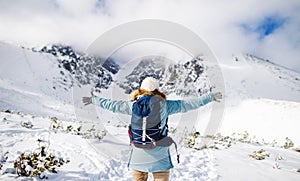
point(273, 25)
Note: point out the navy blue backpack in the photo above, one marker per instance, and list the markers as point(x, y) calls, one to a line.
point(147, 130)
point(146, 127)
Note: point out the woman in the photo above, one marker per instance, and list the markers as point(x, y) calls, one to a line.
point(156, 160)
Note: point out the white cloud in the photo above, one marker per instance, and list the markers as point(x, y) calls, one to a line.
point(78, 23)
point(77, 7)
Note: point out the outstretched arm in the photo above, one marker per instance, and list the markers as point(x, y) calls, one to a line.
point(123, 107)
point(177, 106)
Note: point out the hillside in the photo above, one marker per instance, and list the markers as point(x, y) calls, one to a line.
point(37, 108)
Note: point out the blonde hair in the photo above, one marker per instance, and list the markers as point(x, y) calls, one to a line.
point(142, 92)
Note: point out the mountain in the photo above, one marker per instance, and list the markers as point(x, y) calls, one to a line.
point(49, 73)
point(251, 77)
point(37, 95)
point(182, 78)
point(32, 82)
point(85, 69)
point(261, 97)
point(45, 76)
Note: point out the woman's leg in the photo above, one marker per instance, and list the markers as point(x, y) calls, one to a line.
point(139, 176)
point(161, 176)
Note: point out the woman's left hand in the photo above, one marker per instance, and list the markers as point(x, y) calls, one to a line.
point(217, 96)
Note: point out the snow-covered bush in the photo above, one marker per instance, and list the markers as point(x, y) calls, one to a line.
point(55, 124)
point(191, 139)
point(171, 130)
point(71, 130)
point(91, 133)
point(218, 141)
point(196, 141)
point(288, 143)
point(276, 166)
point(31, 164)
point(94, 134)
point(260, 154)
point(27, 124)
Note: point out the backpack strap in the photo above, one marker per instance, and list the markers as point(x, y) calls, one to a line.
point(178, 161)
point(144, 126)
point(168, 141)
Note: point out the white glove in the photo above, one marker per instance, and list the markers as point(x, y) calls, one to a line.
point(217, 96)
point(87, 100)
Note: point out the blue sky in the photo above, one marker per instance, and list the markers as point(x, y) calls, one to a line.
point(269, 25)
point(266, 26)
point(269, 29)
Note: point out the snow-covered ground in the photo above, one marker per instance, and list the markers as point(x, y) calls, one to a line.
point(87, 163)
point(261, 98)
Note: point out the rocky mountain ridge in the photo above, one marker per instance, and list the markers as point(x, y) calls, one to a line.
point(183, 78)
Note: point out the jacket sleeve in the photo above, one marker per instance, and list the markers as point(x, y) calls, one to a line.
point(124, 107)
point(176, 106)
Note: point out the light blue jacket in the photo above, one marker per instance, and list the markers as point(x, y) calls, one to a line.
point(157, 159)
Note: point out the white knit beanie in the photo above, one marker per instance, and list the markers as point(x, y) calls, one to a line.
point(150, 84)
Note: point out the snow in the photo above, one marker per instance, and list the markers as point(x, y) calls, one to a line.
point(86, 163)
point(235, 164)
point(268, 120)
point(261, 98)
point(258, 101)
point(27, 78)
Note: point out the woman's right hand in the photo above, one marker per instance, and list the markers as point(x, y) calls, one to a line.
point(87, 100)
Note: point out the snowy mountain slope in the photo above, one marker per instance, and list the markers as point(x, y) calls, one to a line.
point(235, 164)
point(267, 119)
point(250, 77)
point(32, 83)
point(45, 77)
point(257, 100)
point(84, 69)
point(254, 87)
point(262, 98)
